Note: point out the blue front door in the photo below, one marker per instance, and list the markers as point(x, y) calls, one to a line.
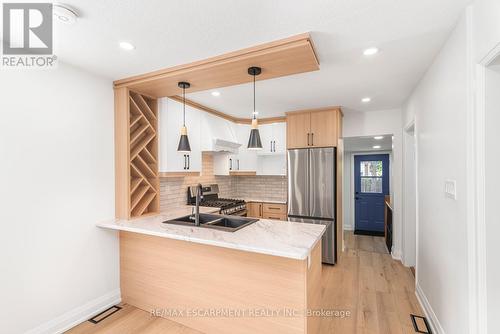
point(371, 184)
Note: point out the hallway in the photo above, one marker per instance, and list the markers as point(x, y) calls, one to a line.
point(379, 291)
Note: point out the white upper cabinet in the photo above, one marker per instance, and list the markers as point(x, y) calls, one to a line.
point(273, 137)
point(266, 137)
point(170, 123)
point(279, 137)
point(228, 141)
point(246, 160)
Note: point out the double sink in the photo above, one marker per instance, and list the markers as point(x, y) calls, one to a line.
point(218, 222)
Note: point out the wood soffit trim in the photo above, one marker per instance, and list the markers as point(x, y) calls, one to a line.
point(284, 57)
point(223, 57)
point(226, 116)
point(337, 108)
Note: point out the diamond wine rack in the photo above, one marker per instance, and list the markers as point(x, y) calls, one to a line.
point(140, 145)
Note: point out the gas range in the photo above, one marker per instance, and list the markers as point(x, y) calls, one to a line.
point(227, 206)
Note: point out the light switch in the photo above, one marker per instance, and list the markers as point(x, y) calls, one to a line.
point(450, 189)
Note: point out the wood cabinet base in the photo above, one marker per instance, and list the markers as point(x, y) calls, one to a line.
point(163, 275)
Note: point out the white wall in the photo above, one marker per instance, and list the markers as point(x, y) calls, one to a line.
point(409, 199)
point(439, 107)
point(492, 154)
point(356, 124)
point(56, 144)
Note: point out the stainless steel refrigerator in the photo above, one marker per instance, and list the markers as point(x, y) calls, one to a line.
point(312, 192)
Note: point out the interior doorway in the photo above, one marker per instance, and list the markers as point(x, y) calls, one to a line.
point(409, 245)
point(373, 145)
point(371, 185)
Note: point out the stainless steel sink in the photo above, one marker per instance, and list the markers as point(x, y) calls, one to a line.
point(218, 222)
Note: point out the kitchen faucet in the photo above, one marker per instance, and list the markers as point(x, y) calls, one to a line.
point(199, 197)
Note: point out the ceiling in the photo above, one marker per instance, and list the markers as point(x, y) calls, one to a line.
point(166, 33)
point(365, 144)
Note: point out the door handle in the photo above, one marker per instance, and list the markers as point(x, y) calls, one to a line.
point(357, 197)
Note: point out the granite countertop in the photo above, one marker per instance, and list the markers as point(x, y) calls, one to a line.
point(272, 237)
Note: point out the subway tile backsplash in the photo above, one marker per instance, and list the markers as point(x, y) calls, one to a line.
point(271, 188)
point(173, 191)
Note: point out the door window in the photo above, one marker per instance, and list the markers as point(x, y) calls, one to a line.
point(371, 173)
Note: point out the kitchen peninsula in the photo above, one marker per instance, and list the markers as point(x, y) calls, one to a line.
point(268, 267)
point(267, 274)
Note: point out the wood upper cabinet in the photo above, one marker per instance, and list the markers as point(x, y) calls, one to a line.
point(323, 128)
point(298, 128)
point(315, 128)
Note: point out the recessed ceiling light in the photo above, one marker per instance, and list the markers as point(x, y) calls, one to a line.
point(215, 93)
point(366, 99)
point(370, 51)
point(127, 46)
point(376, 146)
point(378, 137)
point(64, 13)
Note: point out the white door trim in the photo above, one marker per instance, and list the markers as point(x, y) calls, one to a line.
point(411, 125)
point(476, 182)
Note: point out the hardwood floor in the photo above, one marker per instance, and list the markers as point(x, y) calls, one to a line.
point(378, 292)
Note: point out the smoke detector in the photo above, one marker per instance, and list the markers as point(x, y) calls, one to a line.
point(63, 13)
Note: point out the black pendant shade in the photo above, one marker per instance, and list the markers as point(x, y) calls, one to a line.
point(254, 142)
point(184, 140)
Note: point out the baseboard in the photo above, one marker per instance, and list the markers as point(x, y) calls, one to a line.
point(78, 315)
point(396, 254)
point(428, 311)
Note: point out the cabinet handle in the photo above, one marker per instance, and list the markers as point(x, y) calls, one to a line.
point(260, 210)
point(238, 164)
point(271, 142)
point(184, 161)
point(312, 139)
point(230, 164)
point(273, 208)
point(274, 143)
point(189, 161)
point(308, 139)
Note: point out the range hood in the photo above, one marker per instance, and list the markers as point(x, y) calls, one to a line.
point(222, 145)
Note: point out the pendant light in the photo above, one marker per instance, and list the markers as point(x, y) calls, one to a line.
point(184, 141)
point(254, 142)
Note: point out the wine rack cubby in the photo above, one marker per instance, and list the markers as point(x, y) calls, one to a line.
point(136, 125)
